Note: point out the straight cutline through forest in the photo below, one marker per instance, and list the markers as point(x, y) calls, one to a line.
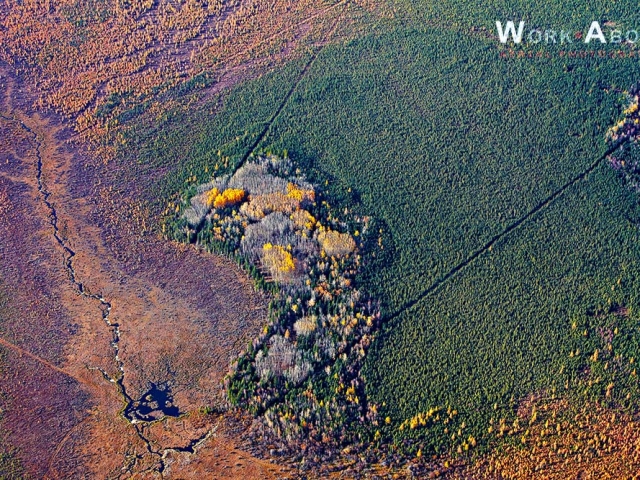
point(291, 91)
point(252, 148)
point(460, 266)
point(510, 228)
point(547, 201)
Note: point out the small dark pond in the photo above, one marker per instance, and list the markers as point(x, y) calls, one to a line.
point(155, 403)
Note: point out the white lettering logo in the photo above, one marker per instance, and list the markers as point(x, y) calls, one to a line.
point(510, 30)
point(595, 32)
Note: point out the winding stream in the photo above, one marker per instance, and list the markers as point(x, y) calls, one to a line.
point(130, 411)
point(156, 403)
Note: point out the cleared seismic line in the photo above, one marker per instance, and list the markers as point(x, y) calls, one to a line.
point(540, 206)
point(287, 97)
point(21, 351)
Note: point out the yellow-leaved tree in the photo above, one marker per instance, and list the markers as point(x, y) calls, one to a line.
point(231, 196)
point(278, 261)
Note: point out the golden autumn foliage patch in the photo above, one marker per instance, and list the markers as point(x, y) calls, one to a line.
point(277, 260)
point(303, 219)
point(299, 194)
point(228, 198)
point(335, 243)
